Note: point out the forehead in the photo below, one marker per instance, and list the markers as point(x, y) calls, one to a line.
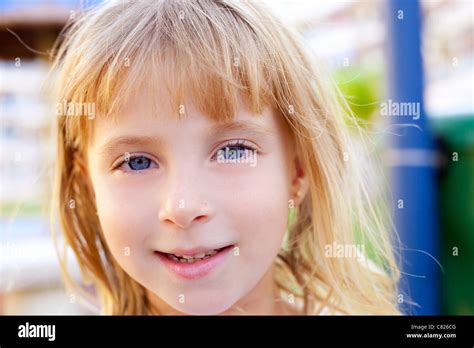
point(148, 113)
point(211, 60)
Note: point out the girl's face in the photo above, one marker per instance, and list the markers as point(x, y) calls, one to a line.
point(165, 186)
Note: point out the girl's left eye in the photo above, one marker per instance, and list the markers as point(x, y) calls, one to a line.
point(235, 150)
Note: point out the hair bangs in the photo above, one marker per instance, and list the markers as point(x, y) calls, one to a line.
point(181, 49)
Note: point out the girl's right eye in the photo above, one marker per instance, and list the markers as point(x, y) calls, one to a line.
point(136, 163)
point(139, 163)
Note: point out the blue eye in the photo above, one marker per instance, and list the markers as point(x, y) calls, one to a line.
point(236, 152)
point(233, 152)
point(139, 163)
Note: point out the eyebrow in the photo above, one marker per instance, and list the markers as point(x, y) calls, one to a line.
point(144, 140)
point(129, 140)
point(250, 127)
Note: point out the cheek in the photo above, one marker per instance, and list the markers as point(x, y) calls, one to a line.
point(257, 204)
point(125, 215)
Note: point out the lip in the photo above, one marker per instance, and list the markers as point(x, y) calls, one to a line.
point(197, 269)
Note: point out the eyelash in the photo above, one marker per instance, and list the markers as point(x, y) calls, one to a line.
point(232, 143)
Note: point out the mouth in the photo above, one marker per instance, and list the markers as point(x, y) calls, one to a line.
point(194, 265)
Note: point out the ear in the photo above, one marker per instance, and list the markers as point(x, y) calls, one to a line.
point(299, 181)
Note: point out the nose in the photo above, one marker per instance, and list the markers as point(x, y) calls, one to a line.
point(184, 206)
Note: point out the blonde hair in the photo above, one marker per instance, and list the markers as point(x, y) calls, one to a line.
point(216, 50)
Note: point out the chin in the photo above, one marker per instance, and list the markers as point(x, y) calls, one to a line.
point(200, 307)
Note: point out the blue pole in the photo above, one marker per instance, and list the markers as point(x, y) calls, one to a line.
point(412, 162)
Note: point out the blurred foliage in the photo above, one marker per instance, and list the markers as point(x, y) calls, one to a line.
point(20, 209)
point(363, 89)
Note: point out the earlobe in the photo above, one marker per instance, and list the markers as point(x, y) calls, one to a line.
point(299, 182)
point(300, 189)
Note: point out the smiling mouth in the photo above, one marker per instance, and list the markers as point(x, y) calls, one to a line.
point(191, 258)
point(195, 257)
point(194, 266)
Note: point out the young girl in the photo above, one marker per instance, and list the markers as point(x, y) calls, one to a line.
point(211, 172)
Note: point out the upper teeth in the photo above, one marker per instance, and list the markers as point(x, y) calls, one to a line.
point(190, 258)
point(197, 256)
